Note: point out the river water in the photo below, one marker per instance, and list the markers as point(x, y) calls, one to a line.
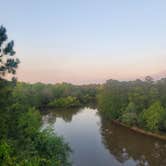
point(97, 142)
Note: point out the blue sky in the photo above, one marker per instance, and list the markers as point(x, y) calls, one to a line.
point(85, 41)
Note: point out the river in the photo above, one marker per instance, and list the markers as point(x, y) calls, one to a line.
point(97, 142)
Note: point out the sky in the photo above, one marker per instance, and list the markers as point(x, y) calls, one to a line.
point(86, 41)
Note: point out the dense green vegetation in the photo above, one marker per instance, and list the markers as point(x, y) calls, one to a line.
point(66, 102)
point(54, 95)
point(22, 143)
point(135, 103)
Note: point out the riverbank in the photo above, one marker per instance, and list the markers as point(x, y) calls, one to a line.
point(141, 131)
point(87, 132)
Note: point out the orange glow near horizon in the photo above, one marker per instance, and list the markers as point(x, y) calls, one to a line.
point(94, 70)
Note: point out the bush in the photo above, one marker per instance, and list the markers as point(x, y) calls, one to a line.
point(152, 117)
point(129, 118)
point(52, 148)
point(29, 122)
point(65, 102)
point(5, 152)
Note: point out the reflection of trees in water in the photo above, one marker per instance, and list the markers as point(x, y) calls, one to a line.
point(66, 114)
point(125, 144)
point(48, 118)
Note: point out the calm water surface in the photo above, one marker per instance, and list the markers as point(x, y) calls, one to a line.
point(96, 142)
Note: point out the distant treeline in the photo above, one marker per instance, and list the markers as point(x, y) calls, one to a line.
point(54, 95)
point(135, 103)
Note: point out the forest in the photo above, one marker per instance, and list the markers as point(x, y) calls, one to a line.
point(135, 103)
point(21, 140)
point(140, 103)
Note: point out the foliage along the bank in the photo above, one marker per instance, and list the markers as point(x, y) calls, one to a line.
point(54, 95)
point(65, 102)
point(135, 103)
point(21, 141)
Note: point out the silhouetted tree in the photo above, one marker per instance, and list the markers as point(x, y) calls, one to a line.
point(8, 63)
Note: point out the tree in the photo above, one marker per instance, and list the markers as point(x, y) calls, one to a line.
point(129, 116)
point(5, 151)
point(112, 98)
point(21, 140)
point(153, 116)
point(131, 108)
point(138, 96)
point(29, 122)
point(149, 79)
point(8, 63)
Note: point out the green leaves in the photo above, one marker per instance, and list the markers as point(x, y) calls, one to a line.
point(29, 122)
point(129, 116)
point(153, 116)
point(8, 64)
point(20, 121)
point(113, 99)
point(52, 148)
point(5, 154)
point(137, 103)
point(65, 102)
point(3, 35)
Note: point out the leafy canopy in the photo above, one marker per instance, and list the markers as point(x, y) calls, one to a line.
point(8, 64)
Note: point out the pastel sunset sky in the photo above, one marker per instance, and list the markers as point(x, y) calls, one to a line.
point(86, 41)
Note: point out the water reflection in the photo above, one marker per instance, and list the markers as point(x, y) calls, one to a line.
point(97, 142)
point(125, 145)
point(65, 114)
